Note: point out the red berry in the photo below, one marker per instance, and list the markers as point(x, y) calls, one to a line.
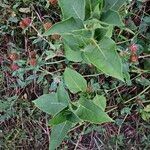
point(133, 48)
point(25, 23)
point(47, 25)
point(32, 62)
point(14, 67)
point(32, 54)
point(13, 56)
point(53, 2)
point(133, 58)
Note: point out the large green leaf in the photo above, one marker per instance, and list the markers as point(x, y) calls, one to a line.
point(62, 94)
point(74, 81)
point(58, 133)
point(49, 103)
point(65, 26)
point(112, 17)
point(105, 57)
point(90, 112)
point(73, 8)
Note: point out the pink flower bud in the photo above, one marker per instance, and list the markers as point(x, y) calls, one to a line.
point(133, 48)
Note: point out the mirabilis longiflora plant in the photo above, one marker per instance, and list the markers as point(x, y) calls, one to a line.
point(86, 30)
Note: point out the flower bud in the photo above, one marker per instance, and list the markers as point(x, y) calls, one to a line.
point(25, 23)
point(133, 48)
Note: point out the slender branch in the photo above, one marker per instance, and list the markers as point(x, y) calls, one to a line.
point(130, 99)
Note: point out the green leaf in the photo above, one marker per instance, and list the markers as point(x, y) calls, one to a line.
point(93, 24)
point(93, 8)
point(145, 116)
point(74, 81)
point(78, 39)
point(99, 30)
point(145, 113)
point(110, 31)
point(64, 115)
point(126, 73)
point(90, 112)
point(58, 133)
point(113, 4)
point(147, 108)
point(73, 8)
point(62, 94)
point(64, 27)
point(100, 33)
point(49, 103)
point(72, 55)
point(100, 101)
point(58, 118)
point(105, 57)
point(112, 17)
